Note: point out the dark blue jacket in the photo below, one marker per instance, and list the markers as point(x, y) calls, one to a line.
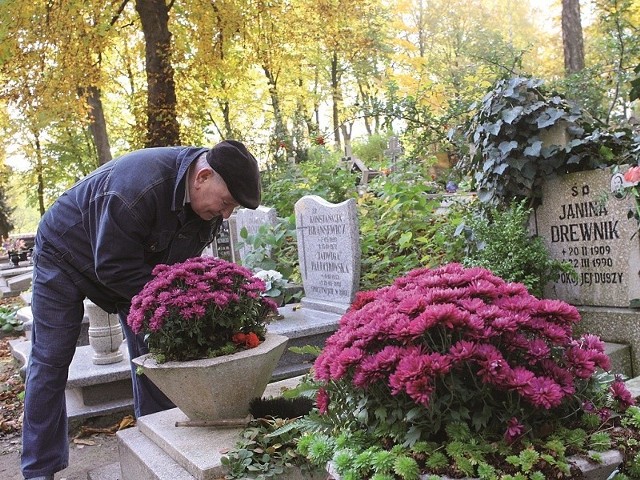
point(111, 228)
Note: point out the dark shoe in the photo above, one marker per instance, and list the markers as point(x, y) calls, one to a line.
point(45, 477)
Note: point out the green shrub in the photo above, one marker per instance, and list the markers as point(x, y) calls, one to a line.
point(371, 151)
point(400, 228)
point(322, 174)
point(499, 241)
point(273, 248)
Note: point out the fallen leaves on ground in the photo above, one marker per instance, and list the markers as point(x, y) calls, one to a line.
point(87, 430)
point(11, 391)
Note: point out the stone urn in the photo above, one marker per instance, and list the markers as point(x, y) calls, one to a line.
point(14, 258)
point(218, 388)
point(105, 335)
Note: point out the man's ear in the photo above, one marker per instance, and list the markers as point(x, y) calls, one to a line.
point(203, 174)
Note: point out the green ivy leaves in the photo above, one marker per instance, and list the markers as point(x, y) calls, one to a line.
point(520, 134)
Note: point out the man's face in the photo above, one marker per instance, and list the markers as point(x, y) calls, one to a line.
point(210, 196)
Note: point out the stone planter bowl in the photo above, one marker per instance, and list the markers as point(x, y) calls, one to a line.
point(216, 388)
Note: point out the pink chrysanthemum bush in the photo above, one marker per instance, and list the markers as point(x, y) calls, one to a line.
point(200, 308)
point(452, 345)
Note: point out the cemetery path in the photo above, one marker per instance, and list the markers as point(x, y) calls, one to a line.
point(91, 446)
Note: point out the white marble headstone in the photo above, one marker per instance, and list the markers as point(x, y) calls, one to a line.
point(329, 252)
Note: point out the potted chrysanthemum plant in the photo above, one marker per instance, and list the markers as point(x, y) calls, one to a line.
point(205, 321)
point(455, 373)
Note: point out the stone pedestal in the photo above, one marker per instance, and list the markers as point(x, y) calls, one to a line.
point(157, 449)
point(105, 334)
point(92, 390)
point(14, 280)
point(220, 387)
point(614, 325)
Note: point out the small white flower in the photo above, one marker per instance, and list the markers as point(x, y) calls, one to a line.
point(273, 281)
point(269, 275)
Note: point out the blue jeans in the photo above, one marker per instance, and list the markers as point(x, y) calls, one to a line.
point(57, 307)
point(147, 398)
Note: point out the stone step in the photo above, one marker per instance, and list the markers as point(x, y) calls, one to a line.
point(6, 292)
point(92, 390)
point(20, 283)
point(615, 325)
point(7, 270)
point(142, 459)
point(302, 327)
point(621, 358)
point(15, 280)
point(633, 384)
point(157, 450)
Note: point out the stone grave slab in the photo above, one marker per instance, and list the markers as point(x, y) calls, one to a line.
point(252, 220)
point(157, 449)
point(91, 390)
point(20, 283)
point(584, 220)
point(328, 251)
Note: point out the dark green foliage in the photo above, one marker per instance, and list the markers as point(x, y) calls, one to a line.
point(267, 450)
point(500, 241)
point(407, 468)
point(521, 134)
point(371, 151)
point(274, 248)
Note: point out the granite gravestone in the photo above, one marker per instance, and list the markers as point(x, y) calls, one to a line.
point(329, 252)
point(252, 220)
point(584, 220)
point(225, 244)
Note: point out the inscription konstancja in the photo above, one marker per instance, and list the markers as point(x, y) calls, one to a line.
point(584, 224)
point(327, 257)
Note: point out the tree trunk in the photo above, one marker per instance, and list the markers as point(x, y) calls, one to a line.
point(39, 176)
point(225, 107)
point(365, 102)
point(335, 94)
point(6, 225)
point(572, 37)
point(97, 124)
point(162, 124)
point(420, 23)
point(219, 46)
point(281, 133)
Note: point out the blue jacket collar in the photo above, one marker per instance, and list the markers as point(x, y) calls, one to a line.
point(183, 161)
